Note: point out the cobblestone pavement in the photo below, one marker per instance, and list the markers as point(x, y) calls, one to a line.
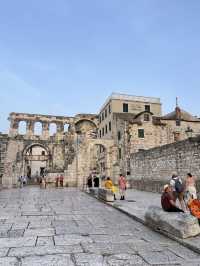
point(66, 227)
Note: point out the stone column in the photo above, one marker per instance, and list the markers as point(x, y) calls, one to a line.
point(60, 131)
point(14, 124)
point(60, 128)
point(30, 128)
point(45, 130)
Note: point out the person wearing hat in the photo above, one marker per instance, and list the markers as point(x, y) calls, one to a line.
point(167, 200)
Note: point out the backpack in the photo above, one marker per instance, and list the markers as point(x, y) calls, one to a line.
point(179, 187)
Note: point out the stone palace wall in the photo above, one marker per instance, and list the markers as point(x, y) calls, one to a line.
point(151, 169)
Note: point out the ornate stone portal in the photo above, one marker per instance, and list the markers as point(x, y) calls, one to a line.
point(73, 150)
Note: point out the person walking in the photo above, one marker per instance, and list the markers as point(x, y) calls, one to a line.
point(61, 180)
point(89, 181)
point(57, 181)
point(178, 190)
point(20, 179)
point(122, 186)
point(96, 181)
point(190, 186)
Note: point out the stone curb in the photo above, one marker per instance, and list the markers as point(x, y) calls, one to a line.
point(134, 217)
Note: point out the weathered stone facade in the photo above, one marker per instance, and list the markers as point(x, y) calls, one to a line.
point(3, 152)
point(145, 131)
point(105, 143)
point(70, 153)
point(151, 169)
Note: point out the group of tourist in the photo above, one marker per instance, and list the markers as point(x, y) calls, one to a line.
point(94, 181)
point(185, 192)
point(122, 186)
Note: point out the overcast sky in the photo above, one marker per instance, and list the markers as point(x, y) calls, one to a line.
point(67, 56)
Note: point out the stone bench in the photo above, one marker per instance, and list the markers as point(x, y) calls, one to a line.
point(181, 225)
point(94, 191)
point(105, 194)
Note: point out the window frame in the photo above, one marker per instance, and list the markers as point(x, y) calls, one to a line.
point(125, 108)
point(147, 108)
point(141, 134)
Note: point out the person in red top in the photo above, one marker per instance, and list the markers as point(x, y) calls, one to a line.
point(122, 186)
point(167, 200)
point(61, 180)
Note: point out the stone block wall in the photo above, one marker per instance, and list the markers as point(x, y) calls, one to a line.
point(151, 169)
point(3, 151)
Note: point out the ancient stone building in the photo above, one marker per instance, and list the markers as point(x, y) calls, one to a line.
point(136, 123)
point(78, 145)
point(66, 152)
point(133, 132)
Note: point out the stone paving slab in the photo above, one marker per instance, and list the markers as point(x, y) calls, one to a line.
point(62, 240)
point(17, 242)
point(125, 259)
point(40, 232)
point(135, 206)
point(83, 232)
point(45, 241)
point(44, 250)
point(3, 252)
point(48, 260)
point(9, 262)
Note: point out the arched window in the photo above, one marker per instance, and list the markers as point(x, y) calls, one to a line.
point(52, 129)
point(38, 129)
point(22, 128)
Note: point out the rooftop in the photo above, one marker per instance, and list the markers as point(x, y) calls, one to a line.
point(184, 116)
point(128, 97)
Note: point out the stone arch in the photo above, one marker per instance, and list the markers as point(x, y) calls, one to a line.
point(36, 144)
point(105, 159)
point(86, 127)
point(36, 159)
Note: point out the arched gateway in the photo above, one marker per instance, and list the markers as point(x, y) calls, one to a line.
point(30, 154)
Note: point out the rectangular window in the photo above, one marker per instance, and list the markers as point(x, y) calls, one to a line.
point(100, 133)
point(120, 153)
point(178, 123)
point(110, 126)
point(106, 113)
point(109, 109)
point(147, 108)
point(125, 107)
point(102, 118)
point(141, 133)
point(176, 136)
point(103, 131)
point(106, 129)
point(119, 135)
point(146, 117)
